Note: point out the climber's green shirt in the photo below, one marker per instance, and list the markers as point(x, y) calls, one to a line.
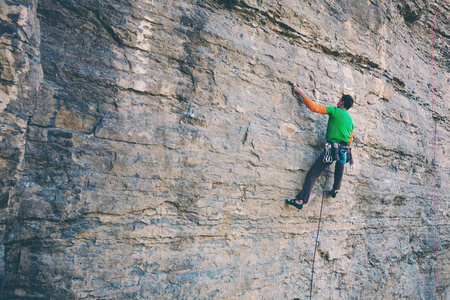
point(340, 125)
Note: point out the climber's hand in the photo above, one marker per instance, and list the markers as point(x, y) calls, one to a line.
point(299, 90)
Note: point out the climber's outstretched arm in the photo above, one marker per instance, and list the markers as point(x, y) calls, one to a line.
point(311, 105)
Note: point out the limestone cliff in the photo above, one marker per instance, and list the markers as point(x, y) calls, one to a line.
point(147, 147)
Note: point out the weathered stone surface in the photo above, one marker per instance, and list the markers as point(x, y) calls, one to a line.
point(147, 148)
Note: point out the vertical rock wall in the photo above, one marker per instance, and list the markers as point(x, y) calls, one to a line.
point(20, 80)
point(147, 148)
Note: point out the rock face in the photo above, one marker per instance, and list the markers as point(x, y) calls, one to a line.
point(147, 147)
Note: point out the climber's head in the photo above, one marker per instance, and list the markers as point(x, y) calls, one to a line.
point(345, 102)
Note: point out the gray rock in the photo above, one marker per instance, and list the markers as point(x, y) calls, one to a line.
point(147, 147)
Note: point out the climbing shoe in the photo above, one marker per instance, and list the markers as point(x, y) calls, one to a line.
point(293, 203)
point(333, 193)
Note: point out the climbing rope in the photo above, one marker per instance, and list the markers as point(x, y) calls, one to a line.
point(434, 149)
point(317, 237)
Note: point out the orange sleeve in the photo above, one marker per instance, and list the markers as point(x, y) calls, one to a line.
point(351, 139)
point(314, 107)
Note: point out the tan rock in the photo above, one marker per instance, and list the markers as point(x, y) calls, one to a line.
point(288, 129)
point(146, 149)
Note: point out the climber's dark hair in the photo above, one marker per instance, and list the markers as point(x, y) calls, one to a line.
point(348, 101)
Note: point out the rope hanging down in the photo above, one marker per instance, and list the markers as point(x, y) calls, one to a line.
point(434, 149)
point(317, 237)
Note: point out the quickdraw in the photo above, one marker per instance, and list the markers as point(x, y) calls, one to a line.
point(328, 154)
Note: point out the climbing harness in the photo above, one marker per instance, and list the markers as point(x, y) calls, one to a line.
point(340, 152)
point(434, 150)
point(317, 237)
point(336, 148)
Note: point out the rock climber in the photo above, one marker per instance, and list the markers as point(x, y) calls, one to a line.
point(339, 138)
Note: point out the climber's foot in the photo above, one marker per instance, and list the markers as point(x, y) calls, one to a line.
point(333, 193)
point(295, 202)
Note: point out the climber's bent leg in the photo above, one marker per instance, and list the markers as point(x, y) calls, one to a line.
point(317, 168)
point(338, 174)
